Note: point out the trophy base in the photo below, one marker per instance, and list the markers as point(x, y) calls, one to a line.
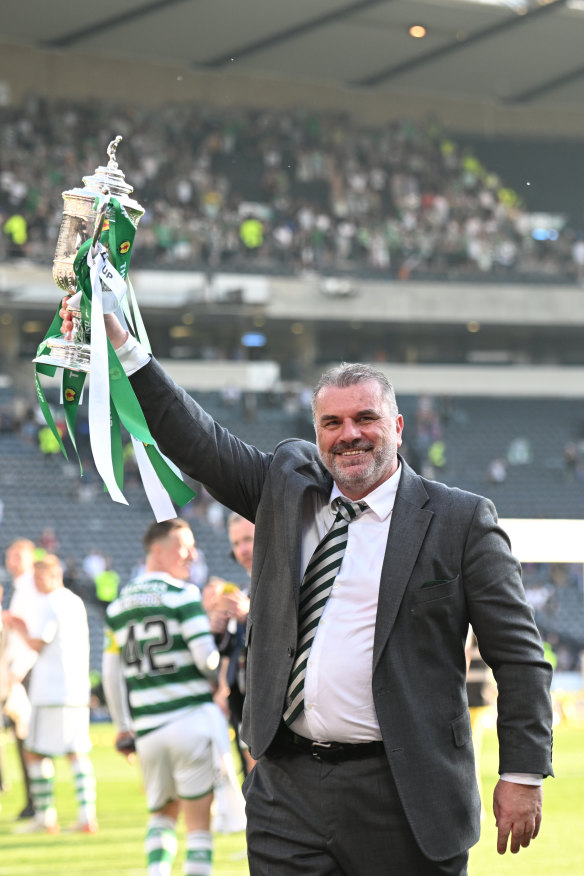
point(66, 354)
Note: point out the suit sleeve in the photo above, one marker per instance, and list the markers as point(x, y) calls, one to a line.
point(233, 471)
point(510, 644)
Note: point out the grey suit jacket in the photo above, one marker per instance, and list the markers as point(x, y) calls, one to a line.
point(447, 564)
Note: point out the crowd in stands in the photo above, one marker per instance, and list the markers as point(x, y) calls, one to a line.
point(276, 191)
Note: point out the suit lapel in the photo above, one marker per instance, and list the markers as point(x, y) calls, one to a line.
point(409, 523)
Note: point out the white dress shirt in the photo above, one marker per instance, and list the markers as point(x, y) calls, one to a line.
point(338, 692)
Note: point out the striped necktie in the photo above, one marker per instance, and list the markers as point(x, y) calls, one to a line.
point(316, 586)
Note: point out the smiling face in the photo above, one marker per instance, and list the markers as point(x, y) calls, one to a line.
point(357, 433)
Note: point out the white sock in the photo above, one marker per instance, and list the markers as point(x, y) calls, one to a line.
point(199, 853)
point(161, 845)
point(42, 788)
point(85, 790)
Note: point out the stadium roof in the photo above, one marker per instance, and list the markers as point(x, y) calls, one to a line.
point(510, 52)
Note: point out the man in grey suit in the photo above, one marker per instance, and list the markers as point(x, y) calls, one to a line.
point(374, 772)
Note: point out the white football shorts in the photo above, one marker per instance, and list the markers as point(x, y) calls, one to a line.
point(177, 759)
point(58, 730)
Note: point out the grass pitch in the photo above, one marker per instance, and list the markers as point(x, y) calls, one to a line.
point(117, 850)
point(559, 848)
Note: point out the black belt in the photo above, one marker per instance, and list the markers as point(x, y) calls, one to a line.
point(332, 752)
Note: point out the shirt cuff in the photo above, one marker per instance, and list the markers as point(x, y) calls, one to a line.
point(132, 355)
point(523, 778)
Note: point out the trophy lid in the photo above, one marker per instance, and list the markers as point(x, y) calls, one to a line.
point(109, 177)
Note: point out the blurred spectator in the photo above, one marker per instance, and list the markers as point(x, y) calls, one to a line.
point(216, 515)
point(437, 454)
point(538, 594)
point(48, 443)
point(199, 573)
point(573, 463)
point(107, 583)
point(17, 230)
point(47, 543)
point(94, 563)
point(519, 452)
point(497, 471)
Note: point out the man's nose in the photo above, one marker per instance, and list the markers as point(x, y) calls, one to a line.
point(350, 430)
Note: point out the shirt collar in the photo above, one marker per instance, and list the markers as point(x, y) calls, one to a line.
point(381, 500)
point(144, 577)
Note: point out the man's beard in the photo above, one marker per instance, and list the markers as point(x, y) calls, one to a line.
point(361, 476)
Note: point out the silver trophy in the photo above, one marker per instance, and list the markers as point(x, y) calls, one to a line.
point(81, 222)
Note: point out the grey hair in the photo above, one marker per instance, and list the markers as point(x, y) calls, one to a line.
point(348, 374)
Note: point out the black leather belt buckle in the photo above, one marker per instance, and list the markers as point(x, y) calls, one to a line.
point(324, 750)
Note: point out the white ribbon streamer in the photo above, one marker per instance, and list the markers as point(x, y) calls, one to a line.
point(103, 274)
point(140, 327)
point(229, 806)
point(99, 413)
point(115, 286)
point(160, 501)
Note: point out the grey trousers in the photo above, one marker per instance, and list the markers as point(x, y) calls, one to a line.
point(310, 818)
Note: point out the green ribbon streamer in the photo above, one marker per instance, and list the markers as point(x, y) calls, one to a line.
point(73, 382)
point(48, 371)
point(176, 488)
point(117, 448)
point(121, 234)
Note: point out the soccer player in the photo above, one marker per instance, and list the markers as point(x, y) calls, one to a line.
point(59, 695)
point(161, 659)
point(17, 658)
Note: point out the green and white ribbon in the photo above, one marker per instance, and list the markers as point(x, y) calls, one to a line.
point(104, 286)
point(100, 419)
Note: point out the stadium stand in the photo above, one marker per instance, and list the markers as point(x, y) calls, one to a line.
point(279, 192)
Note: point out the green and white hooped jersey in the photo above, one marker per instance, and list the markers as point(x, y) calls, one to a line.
point(158, 627)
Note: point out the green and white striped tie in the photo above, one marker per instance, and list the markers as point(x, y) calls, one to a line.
point(315, 588)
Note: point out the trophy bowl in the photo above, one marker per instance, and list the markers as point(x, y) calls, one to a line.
point(81, 221)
